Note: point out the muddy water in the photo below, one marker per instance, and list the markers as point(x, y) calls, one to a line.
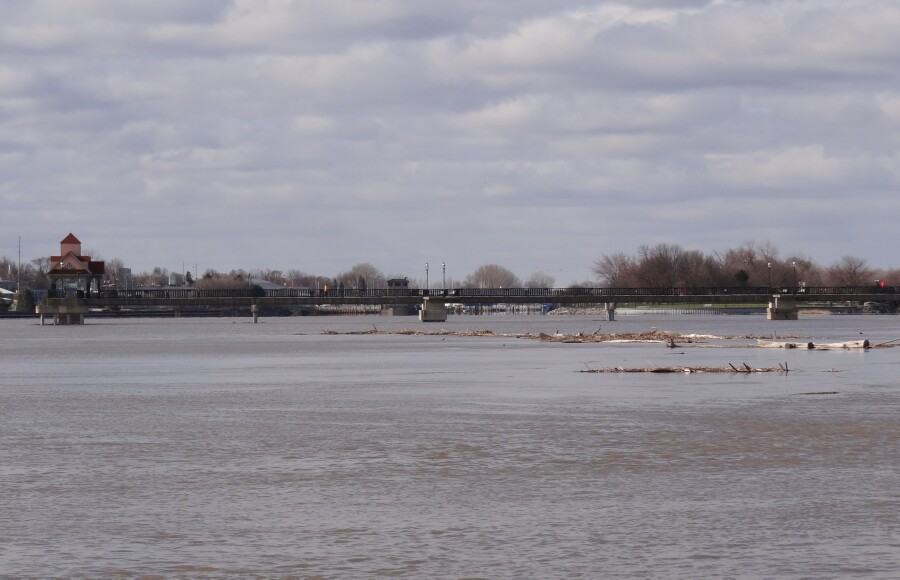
point(222, 448)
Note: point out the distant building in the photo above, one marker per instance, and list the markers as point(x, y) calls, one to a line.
point(400, 286)
point(265, 284)
point(6, 295)
point(71, 270)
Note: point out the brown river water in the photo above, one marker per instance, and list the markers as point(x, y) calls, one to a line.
point(221, 448)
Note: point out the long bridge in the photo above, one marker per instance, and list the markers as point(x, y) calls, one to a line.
point(432, 302)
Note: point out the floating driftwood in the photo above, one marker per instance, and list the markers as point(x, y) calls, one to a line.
point(419, 332)
point(851, 344)
point(661, 336)
point(669, 339)
point(744, 368)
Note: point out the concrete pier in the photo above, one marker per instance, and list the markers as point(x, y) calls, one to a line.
point(782, 307)
point(433, 311)
point(66, 311)
point(610, 308)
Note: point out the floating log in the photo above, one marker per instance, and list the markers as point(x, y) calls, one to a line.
point(850, 344)
point(669, 339)
point(442, 332)
point(744, 369)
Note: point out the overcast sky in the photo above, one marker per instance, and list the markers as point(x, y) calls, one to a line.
point(537, 135)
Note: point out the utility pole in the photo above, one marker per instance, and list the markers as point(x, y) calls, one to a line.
point(19, 267)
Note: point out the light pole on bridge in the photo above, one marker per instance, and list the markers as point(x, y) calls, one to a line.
point(443, 275)
point(426, 275)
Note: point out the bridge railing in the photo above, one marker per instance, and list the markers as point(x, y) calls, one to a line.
point(461, 294)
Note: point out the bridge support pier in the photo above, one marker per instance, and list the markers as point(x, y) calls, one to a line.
point(610, 308)
point(433, 311)
point(782, 307)
point(64, 312)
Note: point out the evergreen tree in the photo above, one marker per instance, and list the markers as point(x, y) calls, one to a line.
point(24, 300)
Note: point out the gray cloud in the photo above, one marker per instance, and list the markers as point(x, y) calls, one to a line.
point(315, 135)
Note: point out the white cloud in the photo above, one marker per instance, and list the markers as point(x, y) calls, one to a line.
point(356, 125)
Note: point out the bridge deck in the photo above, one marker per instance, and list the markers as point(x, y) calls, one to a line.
point(182, 298)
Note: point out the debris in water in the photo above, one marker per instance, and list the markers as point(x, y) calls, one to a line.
point(744, 369)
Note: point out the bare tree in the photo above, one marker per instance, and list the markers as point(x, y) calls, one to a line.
point(849, 271)
point(668, 265)
point(696, 269)
point(362, 276)
point(158, 277)
point(742, 265)
point(891, 277)
point(42, 264)
point(615, 270)
point(35, 273)
point(658, 266)
point(745, 255)
point(299, 279)
point(113, 271)
point(767, 252)
point(492, 276)
point(540, 280)
point(801, 271)
point(273, 276)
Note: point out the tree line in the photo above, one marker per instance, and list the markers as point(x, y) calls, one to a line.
point(670, 266)
point(366, 276)
point(663, 265)
point(33, 274)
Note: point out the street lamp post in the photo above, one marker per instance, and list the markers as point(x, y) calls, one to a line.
point(770, 275)
point(794, 266)
point(426, 275)
point(444, 275)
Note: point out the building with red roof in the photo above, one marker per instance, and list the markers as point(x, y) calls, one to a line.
point(70, 269)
